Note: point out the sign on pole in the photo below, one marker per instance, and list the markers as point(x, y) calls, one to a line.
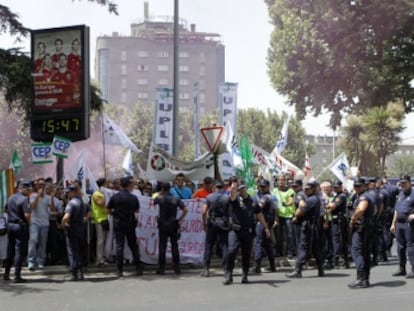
point(212, 136)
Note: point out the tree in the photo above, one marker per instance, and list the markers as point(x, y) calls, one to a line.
point(263, 130)
point(372, 137)
point(342, 56)
point(403, 165)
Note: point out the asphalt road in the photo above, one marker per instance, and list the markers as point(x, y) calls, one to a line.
point(50, 290)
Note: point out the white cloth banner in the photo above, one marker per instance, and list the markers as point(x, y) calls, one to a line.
point(191, 243)
point(274, 164)
point(163, 127)
point(162, 166)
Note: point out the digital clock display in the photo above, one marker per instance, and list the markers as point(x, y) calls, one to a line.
point(72, 127)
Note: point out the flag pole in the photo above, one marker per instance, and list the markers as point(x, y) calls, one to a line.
point(103, 144)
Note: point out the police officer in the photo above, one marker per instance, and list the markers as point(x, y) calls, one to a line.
point(379, 206)
point(403, 227)
point(297, 186)
point(360, 224)
point(263, 243)
point(123, 206)
point(168, 226)
point(215, 224)
point(241, 215)
point(308, 216)
point(393, 192)
point(337, 208)
point(18, 211)
point(74, 220)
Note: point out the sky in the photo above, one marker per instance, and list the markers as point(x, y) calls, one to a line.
point(243, 25)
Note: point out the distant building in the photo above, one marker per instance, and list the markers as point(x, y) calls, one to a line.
point(130, 68)
point(327, 150)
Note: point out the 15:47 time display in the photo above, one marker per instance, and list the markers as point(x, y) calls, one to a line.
point(72, 127)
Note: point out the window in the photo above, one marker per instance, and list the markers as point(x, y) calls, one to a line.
point(142, 67)
point(183, 55)
point(184, 96)
point(183, 68)
point(323, 150)
point(123, 98)
point(142, 95)
point(124, 83)
point(202, 98)
point(162, 67)
point(184, 82)
point(123, 56)
point(202, 57)
point(202, 71)
point(202, 84)
point(163, 82)
point(142, 81)
point(142, 54)
point(123, 69)
point(162, 54)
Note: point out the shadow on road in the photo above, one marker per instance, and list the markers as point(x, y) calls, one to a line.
point(389, 284)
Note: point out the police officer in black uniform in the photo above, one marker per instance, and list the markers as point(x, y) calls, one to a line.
point(215, 224)
point(379, 207)
point(168, 226)
point(360, 224)
point(308, 216)
point(18, 211)
point(337, 208)
point(241, 216)
point(403, 227)
point(263, 243)
point(297, 186)
point(393, 192)
point(123, 206)
point(74, 220)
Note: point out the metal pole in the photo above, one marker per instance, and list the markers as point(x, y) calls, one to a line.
point(176, 89)
point(103, 144)
point(196, 128)
point(59, 170)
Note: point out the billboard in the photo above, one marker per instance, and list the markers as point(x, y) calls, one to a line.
point(60, 81)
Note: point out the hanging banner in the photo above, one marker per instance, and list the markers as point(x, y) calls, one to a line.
point(61, 146)
point(41, 153)
point(162, 166)
point(163, 125)
point(228, 115)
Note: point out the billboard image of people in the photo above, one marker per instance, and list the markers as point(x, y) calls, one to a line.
point(60, 62)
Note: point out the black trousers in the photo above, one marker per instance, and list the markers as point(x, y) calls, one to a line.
point(18, 238)
point(239, 239)
point(128, 232)
point(164, 234)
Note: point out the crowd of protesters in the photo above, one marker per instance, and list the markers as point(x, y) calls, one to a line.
point(43, 215)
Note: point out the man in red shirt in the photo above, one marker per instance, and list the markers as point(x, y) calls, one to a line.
point(205, 190)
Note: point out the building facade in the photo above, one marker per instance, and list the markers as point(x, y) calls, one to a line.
point(130, 68)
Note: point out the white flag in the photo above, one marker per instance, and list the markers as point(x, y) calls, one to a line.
point(340, 168)
point(78, 170)
point(127, 163)
point(283, 136)
point(114, 135)
point(232, 146)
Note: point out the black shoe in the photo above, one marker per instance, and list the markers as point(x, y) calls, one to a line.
point(244, 279)
point(177, 271)
point(119, 274)
point(257, 270)
point(19, 279)
point(6, 277)
point(346, 265)
point(205, 273)
point(228, 278)
point(321, 273)
point(400, 272)
point(270, 269)
point(81, 276)
point(358, 284)
point(328, 266)
point(140, 271)
point(160, 271)
point(294, 275)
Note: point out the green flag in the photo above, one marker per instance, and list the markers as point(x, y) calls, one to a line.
point(16, 163)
